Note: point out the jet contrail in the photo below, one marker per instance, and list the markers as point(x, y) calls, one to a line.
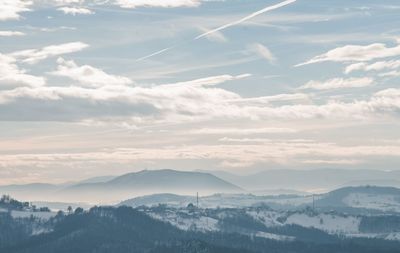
point(252, 15)
point(155, 53)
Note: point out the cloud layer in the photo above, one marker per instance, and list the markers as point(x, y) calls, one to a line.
point(351, 53)
point(32, 56)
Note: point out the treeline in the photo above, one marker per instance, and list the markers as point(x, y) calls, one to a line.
point(9, 204)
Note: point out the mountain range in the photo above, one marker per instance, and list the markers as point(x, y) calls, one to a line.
point(112, 189)
point(310, 180)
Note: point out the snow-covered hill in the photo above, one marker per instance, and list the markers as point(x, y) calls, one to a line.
point(384, 199)
point(268, 223)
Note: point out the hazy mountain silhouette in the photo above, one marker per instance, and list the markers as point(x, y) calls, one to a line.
point(324, 179)
point(150, 182)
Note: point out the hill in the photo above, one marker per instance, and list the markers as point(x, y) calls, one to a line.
point(364, 197)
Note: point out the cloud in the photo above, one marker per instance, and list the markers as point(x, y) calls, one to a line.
point(295, 97)
point(75, 10)
point(221, 28)
point(264, 140)
point(351, 53)
point(33, 56)
point(157, 3)
point(187, 101)
point(66, 1)
point(377, 66)
point(394, 73)
point(338, 83)
point(244, 131)
point(11, 33)
point(210, 81)
point(12, 75)
point(262, 51)
point(88, 75)
point(176, 105)
point(335, 161)
point(198, 100)
point(216, 37)
point(355, 66)
point(229, 155)
point(10, 9)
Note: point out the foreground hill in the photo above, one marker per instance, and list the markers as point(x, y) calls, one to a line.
point(123, 229)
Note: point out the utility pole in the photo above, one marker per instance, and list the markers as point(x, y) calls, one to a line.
point(313, 202)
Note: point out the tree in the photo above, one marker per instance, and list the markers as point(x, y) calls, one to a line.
point(79, 210)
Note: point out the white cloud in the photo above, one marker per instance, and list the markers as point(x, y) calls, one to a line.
point(10, 9)
point(210, 81)
point(193, 101)
point(377, 66)
point(354, 67)
point(216, 37)
point(11, 33)
point(262, 51)
point(32, 56)
point(75, 10)
point(338, 83)
point(11, 75)
point(267, 100)
point(88, 75)
point(165, 103)
point(236, 155)
point(68, 1)
point(394, 73)
point(335, 161)
point(244, 131)
point(351, 53)
point(157, 3)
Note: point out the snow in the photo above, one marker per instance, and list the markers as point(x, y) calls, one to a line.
point(330, 223)
point(247, 200)
point(221, 200)
point(373, 201)
point(364, 235)
point(28, 214)
point(186, 222)
point(274, 236)
point(333, 224)
point(393, 236)
point(268, 218)
point(38, 231)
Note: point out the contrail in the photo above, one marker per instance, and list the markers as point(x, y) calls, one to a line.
point(155, 53)
point(252, 15)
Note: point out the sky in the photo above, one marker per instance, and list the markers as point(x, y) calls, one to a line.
point(106, 87)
